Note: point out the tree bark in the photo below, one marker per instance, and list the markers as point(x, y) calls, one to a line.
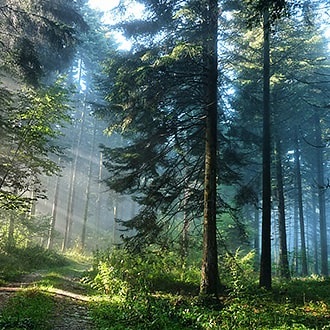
point(321, 196)
point(71, 197)
point(88, 189)
point(315, 236)
point(210, 284)
point(52, 223)
point(304, 270)
point(283, 249)
point(265, 279)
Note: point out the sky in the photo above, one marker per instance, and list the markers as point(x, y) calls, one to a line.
point(136, 10)
point(103, 5)
point(106, 5)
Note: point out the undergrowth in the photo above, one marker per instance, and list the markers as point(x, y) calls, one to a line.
point(155, 291)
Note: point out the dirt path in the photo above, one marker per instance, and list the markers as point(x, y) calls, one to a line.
point(71, 308)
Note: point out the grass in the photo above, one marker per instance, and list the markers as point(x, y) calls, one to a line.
point(251, 310)
point(27, 309)
point(34, 307)
point(19, 261)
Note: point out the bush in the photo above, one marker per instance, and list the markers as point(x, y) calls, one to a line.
point(118, 272)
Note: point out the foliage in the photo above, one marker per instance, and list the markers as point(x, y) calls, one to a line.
point(33, 121)
point(157, 100)
point(121, 273)
point(237, 272)
point(27, 229)
point(38, 36)
point(147, 304)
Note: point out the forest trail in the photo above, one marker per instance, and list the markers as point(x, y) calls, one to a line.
point(70, 298)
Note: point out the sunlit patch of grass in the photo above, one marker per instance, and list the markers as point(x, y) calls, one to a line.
point(27, 309)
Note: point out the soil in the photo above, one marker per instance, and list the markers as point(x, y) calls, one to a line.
point(71, 308)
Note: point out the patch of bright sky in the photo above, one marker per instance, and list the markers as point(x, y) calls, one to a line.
point(134, 11)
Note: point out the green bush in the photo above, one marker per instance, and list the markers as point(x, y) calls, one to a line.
point(118, 272)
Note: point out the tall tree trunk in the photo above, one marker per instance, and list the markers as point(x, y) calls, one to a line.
point(295, 233)
point(210, 284)
point(304, 270)
point(185, 230)
point(315, 236)
point(321, 196)
point(52, 223)
point(71, 197)
point(98, 198)
point(115, 219)
point(88, 189)
point(265, 279)
point(257, 236)
point(283, 249)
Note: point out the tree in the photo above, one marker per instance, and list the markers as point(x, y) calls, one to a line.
point(38, 37)
point(265, 261)
point(164, 98)
point(32, 127)
point(210, 273)
point(283, 249)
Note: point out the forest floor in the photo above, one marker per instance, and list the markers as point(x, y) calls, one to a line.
point(69, 300)
point(59, 296)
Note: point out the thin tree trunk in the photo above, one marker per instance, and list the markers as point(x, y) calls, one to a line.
point(185, 230)
point(50, 241)
point(283, 249)
point(265, 279)
point(210, 284)
point(88, 190)
point(315, 237)
point(321, 196)
point(296, 246)
point(257, 236)
point(98, 199)
point(71, 197)
point(115, 218)
point(304, 270)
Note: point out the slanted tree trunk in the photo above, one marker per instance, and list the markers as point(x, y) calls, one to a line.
point(321, 196)
point(265, 279)
point(283, 249)
point(304, 270)
point(210, 284)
